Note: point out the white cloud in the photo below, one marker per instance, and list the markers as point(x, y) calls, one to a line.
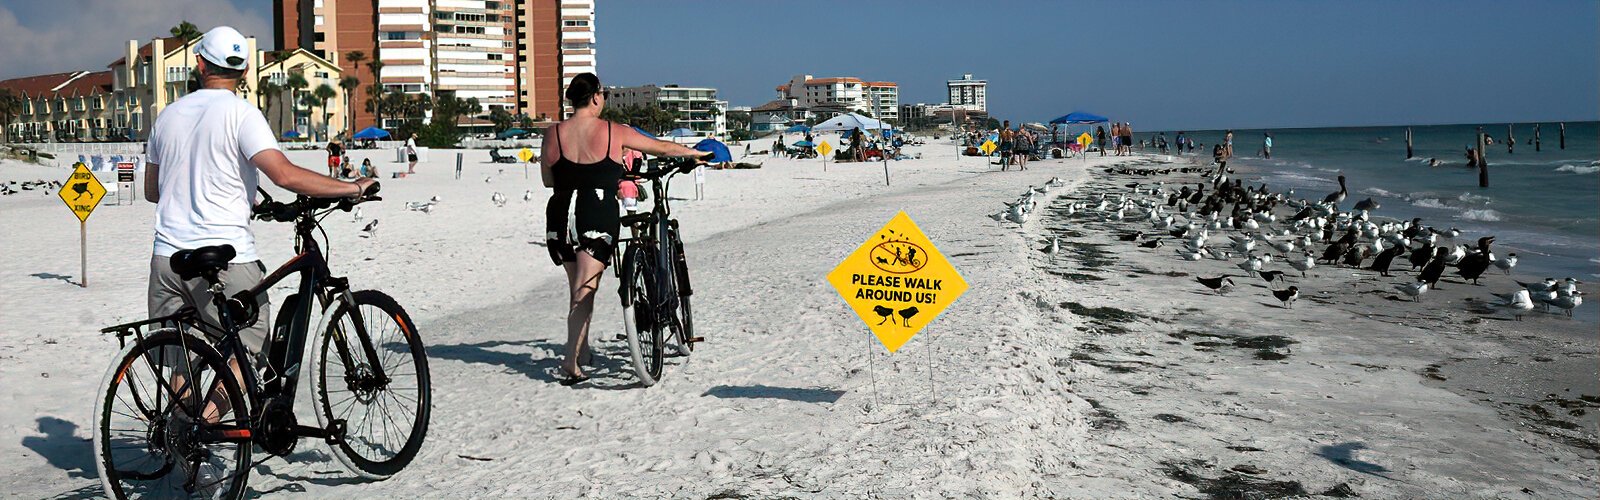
point(89, 34)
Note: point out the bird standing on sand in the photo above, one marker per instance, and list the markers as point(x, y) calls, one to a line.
point(1435, 268)
point(1271, 277)
point(1055, 245)
point(1367, 205)
point(371, 230)
point(1217, 284)
point(498, 199)
point(1251, 265)
point(356, 214)
point(1507, 262)
point(1303, 264)
point(1518, 302)
point(1287, 296)
point(1155, 243)
point(1474, 264)
point(1566, 301)
point(1337, 197)
point(527, 195)
point(1413, 290)
point(1381, 262)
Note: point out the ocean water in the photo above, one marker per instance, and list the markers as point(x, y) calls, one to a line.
point(1545, 204)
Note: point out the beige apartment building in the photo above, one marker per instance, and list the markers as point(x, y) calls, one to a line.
point(876, 99)
point(517, 55)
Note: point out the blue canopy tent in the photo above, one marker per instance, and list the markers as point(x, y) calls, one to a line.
point(292, 134)
point(643, 132)
point(797, 128)
point(719, 150)
point(1074, 118)
point(373, 133)
point(511, 132)
point(681, 132)
point(850, 121)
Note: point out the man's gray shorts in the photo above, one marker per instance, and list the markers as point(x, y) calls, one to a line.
point(169, 293)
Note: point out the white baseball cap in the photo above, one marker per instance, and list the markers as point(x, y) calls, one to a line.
point(225, 47)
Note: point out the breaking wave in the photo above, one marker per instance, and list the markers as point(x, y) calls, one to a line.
point(1481, 214)
point(1579, 169)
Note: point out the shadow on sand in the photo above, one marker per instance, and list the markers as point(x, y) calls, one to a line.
point(763, 391)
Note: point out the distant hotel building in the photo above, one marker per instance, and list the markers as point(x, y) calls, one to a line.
point(968, 93)
point(698, 108)
point(512, 54)
point(876, 99)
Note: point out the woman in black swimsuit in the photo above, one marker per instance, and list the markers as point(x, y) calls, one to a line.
point(580, 161)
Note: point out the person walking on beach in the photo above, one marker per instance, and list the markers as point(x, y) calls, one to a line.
point(1024, 147)
point(335, 151)
point(1180, 143)
point(207, 152)
point(1127, 138)
point(411, 154)
point(1100, 138)
point(580, 159)
point(1266, 146)
point(1005, 145)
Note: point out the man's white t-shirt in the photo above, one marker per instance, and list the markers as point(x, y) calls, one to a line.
point(203, 144)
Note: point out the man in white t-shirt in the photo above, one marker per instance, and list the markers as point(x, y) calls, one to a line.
point(206, 152)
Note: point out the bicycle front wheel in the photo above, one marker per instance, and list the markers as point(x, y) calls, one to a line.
point(644, 329)
point(172, 422)
point(384, 418)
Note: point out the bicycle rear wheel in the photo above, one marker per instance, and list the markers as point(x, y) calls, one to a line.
point(643, 328)
point(385, 421)
point(152, 439)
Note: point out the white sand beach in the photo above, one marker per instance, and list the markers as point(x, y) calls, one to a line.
point(1103, 371)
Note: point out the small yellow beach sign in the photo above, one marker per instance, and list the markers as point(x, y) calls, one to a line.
point(988, 147)
point(1085, 140)
point(897, 282)
point(82, 192)
point(825, 149)
point(526, 154)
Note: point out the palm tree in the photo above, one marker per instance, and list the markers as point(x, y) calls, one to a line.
point(355, 58)
point(375, 103)
point(188, 32)
point(323, 93)
point(297, 83)
point(10, 107)
point(349, 84)
point(269, 91)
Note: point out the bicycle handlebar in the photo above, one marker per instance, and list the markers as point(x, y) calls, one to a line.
point(270, 210)
point(679, 166)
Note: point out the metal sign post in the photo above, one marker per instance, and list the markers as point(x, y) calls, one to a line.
point(82, 193)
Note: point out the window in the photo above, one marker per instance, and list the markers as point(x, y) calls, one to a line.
point(320, 36)
point(319, 20)
point(491, 5)
point(317, 4)
point(471, 30)
point(575, 23)
point(522, 59)
point(575, 46)
point(401, 35)
point(444, 15)
point(321, 74)
point(497, 57)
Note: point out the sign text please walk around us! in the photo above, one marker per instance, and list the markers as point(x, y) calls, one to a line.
point(897, 282)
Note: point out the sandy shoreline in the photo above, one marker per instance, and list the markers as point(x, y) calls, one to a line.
point(1041, 391)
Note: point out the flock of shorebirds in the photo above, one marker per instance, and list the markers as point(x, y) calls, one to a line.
point(1197, 215)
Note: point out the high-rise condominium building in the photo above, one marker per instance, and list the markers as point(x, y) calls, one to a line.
point(512, 54)
point(878, 99)
point(970, 94)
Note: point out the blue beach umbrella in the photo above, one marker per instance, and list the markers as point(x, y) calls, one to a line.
point(292, 134)
point(804, 144)
point(371, 133)
point(1079, 117)
point(511, 132)
point(681, 132)
point(719, 150)
point(797, 128)
point(643, 132)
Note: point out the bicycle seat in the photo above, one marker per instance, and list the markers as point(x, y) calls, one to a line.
point(203, 261)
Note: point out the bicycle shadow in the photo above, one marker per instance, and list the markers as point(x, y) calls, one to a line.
point(63, 449)
point(542, 363)
point(803, 395)
point(296, 483)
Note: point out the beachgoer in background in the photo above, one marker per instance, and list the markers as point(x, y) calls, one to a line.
point(411, 154)
point(1266, 146)
point(1161, 142)
point(1181, 142)
point(1127, 138)
point(1100, 138)
point(1227, 148)
point(858, 144)
point(1006, 136)
point(368, 170)
point(335, 151)
point(1024, 147)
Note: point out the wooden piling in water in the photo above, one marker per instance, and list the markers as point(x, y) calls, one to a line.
point(1511, 140)
point(1535, 137)
point(1408, 143)
point(1483, 159)
point(1563, 135)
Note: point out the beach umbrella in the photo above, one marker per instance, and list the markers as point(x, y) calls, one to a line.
point(643, 132)
point(1036, 126)
point(371, 133)
point(717, 148)
point(1079, 118)
point(292, 134)
point(804, 144)
point(511, 132)
point(681, 132)
point(797, 128)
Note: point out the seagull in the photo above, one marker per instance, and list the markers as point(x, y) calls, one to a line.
point(1565, 301)
point(1519, 302)
point(1015, 214)
point(1548, 284)
point(527, 195)
point(357, 214)
point(1134, 236)
point(1055, 245)
point(1251, 265)
point(1452, 233)
point(485, 179)
point(1287, 296)
point(498, 199)
point(1507, 262)
point(1190, 255)
point(1367, 205)
point(1217, 284)
point(435, 199)
point(1413, 290)
point(1155, 243)
point(371, 230)
point(1271, 276)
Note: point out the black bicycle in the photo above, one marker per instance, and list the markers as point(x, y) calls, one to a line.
point(654, 277)
point(185, 405)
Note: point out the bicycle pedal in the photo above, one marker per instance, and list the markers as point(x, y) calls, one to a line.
point(693, 340)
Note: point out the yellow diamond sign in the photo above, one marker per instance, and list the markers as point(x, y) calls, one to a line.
point(897, 281)
point(82, 192)
point(1085, 140)
point(825, 149)
point(988, 147)
point(526, 154)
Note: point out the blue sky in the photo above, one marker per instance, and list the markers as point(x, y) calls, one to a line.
point(1161, 65)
